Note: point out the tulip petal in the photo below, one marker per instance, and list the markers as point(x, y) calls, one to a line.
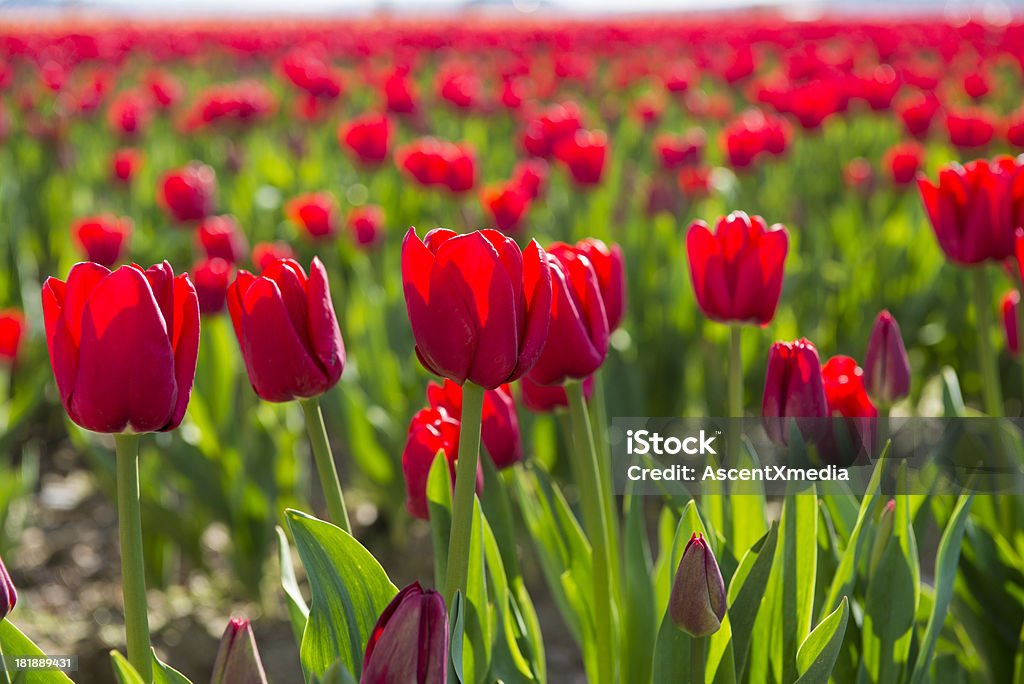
point(291, 280)
point(325, 335)
point(537, 292)
point(82, 280)
point(235, 297)
point(185, 342)
point(62, 348)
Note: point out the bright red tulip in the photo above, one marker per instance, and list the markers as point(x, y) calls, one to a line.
point(1011, 300)
point(531, 175)
point(366, 225)
point(220, 237)
point(211, 278)
point(547, 398)
point(367, 137)
point(793, 389)
point(611, 276)
point(129, 113)
point(737, 270)
point(316, 214)
point(123, 345)
point(409, 643)
point(903, 161)
point(430, 431)
point(188, 193)
point(970, 129)
point(1015, 129)
point(125, 163)
point(886, 364)
point(506, 205)
point(287, 330)
point(102, 238)
point(584, 155)
point(266, 253)
point(12, 331)
point(917, 113)
point(479, 307)
point(500, 424)
point(847, 398)
point(675, 151)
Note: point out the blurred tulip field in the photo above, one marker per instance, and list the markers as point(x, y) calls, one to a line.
point(314, 334)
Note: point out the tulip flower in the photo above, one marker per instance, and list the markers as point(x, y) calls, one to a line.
point(970, 129)
point(858, 174)
point(129, 113)
point(547, 398)
point(400, 92)
point(366, 225)
point(917, 113)
point(577, 340)
point(499, 428)
point(531, 175)
point(287, 330)
point(188, 193)
point(409, 643)
point(886, 365)
point(971, 211)
point(238, 660)
point(431, 162)
point(266, 253)
point(737, 270)
point(123, 345)
point(12, 330)
point(793, 389)
point(584, 155)
point(1015, 128)
point(697, 602)
point(8, 595)
point(506, 205)
point(1010, 304)
point(102, 238)
point(903, 161)
point(847, 398)
point(220, 237)
point(611, 276)
point(430, 431)
point(479, 307)
point(555, 125)
point(677, 151)
point(367, 138)
point(212, 277)
point(125, 164)
point(316, 214)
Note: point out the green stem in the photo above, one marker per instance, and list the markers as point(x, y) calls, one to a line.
point(325, 463)
point(133, 565)
point(735, 372)
point(987, 356)
point(599, 421)
point(465, 487)
point(585, 463)
point(698, 645)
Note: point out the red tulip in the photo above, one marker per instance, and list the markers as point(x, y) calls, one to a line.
point(976, 85)
point(479, 307)
point(400, 93)
point(430, 431)
point(506, 204)
point(918, 112)
point(12, 331)
point(212, 277)
point(287, 330)
point(367, 137)
point(366, 225)
point(125, 163)
point(1011, 300)
point(266, 253)
point(578, 336)
point(611, 276)
point(675, 151)
point(220, 237)
point(316, 214)
point(886, 364)
point(793, 389)
point(1015, 129)
point(188, 193)
point(409, 643)
point(970, 129)
point(8, 594)
point(903, 161)
point(737, 270)
point(847, 398)
point(695, 182)
point(123, 345)
point(165, 89)
point(531, 175)
point(129, 113)
point(103, 238)
point(584, 155)
point(971, 210)
point(432, 162)
point(499, 427)
point(555, 125)
point(546, 398)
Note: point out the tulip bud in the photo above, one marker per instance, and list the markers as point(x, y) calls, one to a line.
point(12, 331)
point(366, 225)
point(793, 388)
point(188, 193)
point(238, 660)
point(102, 238)
point(212, 277)
point(367, 138)
point(409, 643)
point(8, 596)
point(316, 214)
point(1011, 300)
point(125, 163)
point(220, 236)
point(697, 602)
point(886, 524)
point(886, 365)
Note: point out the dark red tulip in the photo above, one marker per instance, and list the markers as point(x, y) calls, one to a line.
point(102, 238)
point(506, 205)
point(584, 155)
point(287, 330)
point(266, 253)
point(578, 336)
point(316, 214)
point(697, 603)
point(844, 390)
point(430, 431)
point(479, 307)
point(367, 137)
point(12, 331)
point(366, 225)
point(129, 113)
point(903, 161)
point(886, 364)
point(793, 389)
point(611, 276)
point(220, 237)
point(125, 163)
point(1015, 129)
point(917, 113)
point(499, 426)
point(970, 129)
point(8, 595)
point(1011, 300)
point(188, 193)
point(546, 398)
point(737, 270)
point(531, 175)
point(212, 277)
point(971, 210)
point(977, 85)
point(675, 151)
point(409, 643)
point(123, 345)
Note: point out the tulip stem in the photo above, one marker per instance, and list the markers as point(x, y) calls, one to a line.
point(698, 646)
point(325, 467)
point(987, 357)
point(465, 486)
point(735, 372)
point(587, 472)
point(599, 422)
point(133, 565)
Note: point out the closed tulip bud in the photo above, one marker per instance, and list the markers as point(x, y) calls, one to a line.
point(211, 278)
point(431, 430)
point(531, 175)
point(737, 270)
point(578, 337)
point(12, 332)
point(238, 660)
point(220, 237)
point(697, 602)
point(499, 426)
point(366, 225)
point(316, 214)
point(886, 365)
point(611, 276)
point(793, 389)
point(123, 345)
point(188, 193)
point(1011, 300)
point(102, 238)
point(8, 596)
point(266, 253)
point(903, 161)
point(409, 643)
point(547, 398)
point(287, 330)
point(479, 307)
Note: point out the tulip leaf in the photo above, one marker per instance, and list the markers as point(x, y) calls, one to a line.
point(671, 653)
point(336, 674)
point(747, 509)
point(13, 642)
point(946, 560)
point(350, 590)
point(889, 613)
point(165, 674)
point(498, 511)
point(298, 611)
point(477, 609)
point(639, 621)
point(746, 593)
point(818, 653)
point(123, 670)
point(799, 555)
point(439, 504)
point(457, 622)
point(663, 569)
point(1018, 667)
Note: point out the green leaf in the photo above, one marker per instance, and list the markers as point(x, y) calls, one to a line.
point(639, 621)
point(165, 674)
point(671, 653)
point(13, 642)
point(946, 560)
point(298, 611)
point(123, 670)
point(818, 653)
point(799, 534)
point(746, 593)
point(336, 674)
point(439, 504)
point(350, 590)
point(457, 622)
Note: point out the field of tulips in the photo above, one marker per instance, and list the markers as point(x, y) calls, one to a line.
point(331, 332)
